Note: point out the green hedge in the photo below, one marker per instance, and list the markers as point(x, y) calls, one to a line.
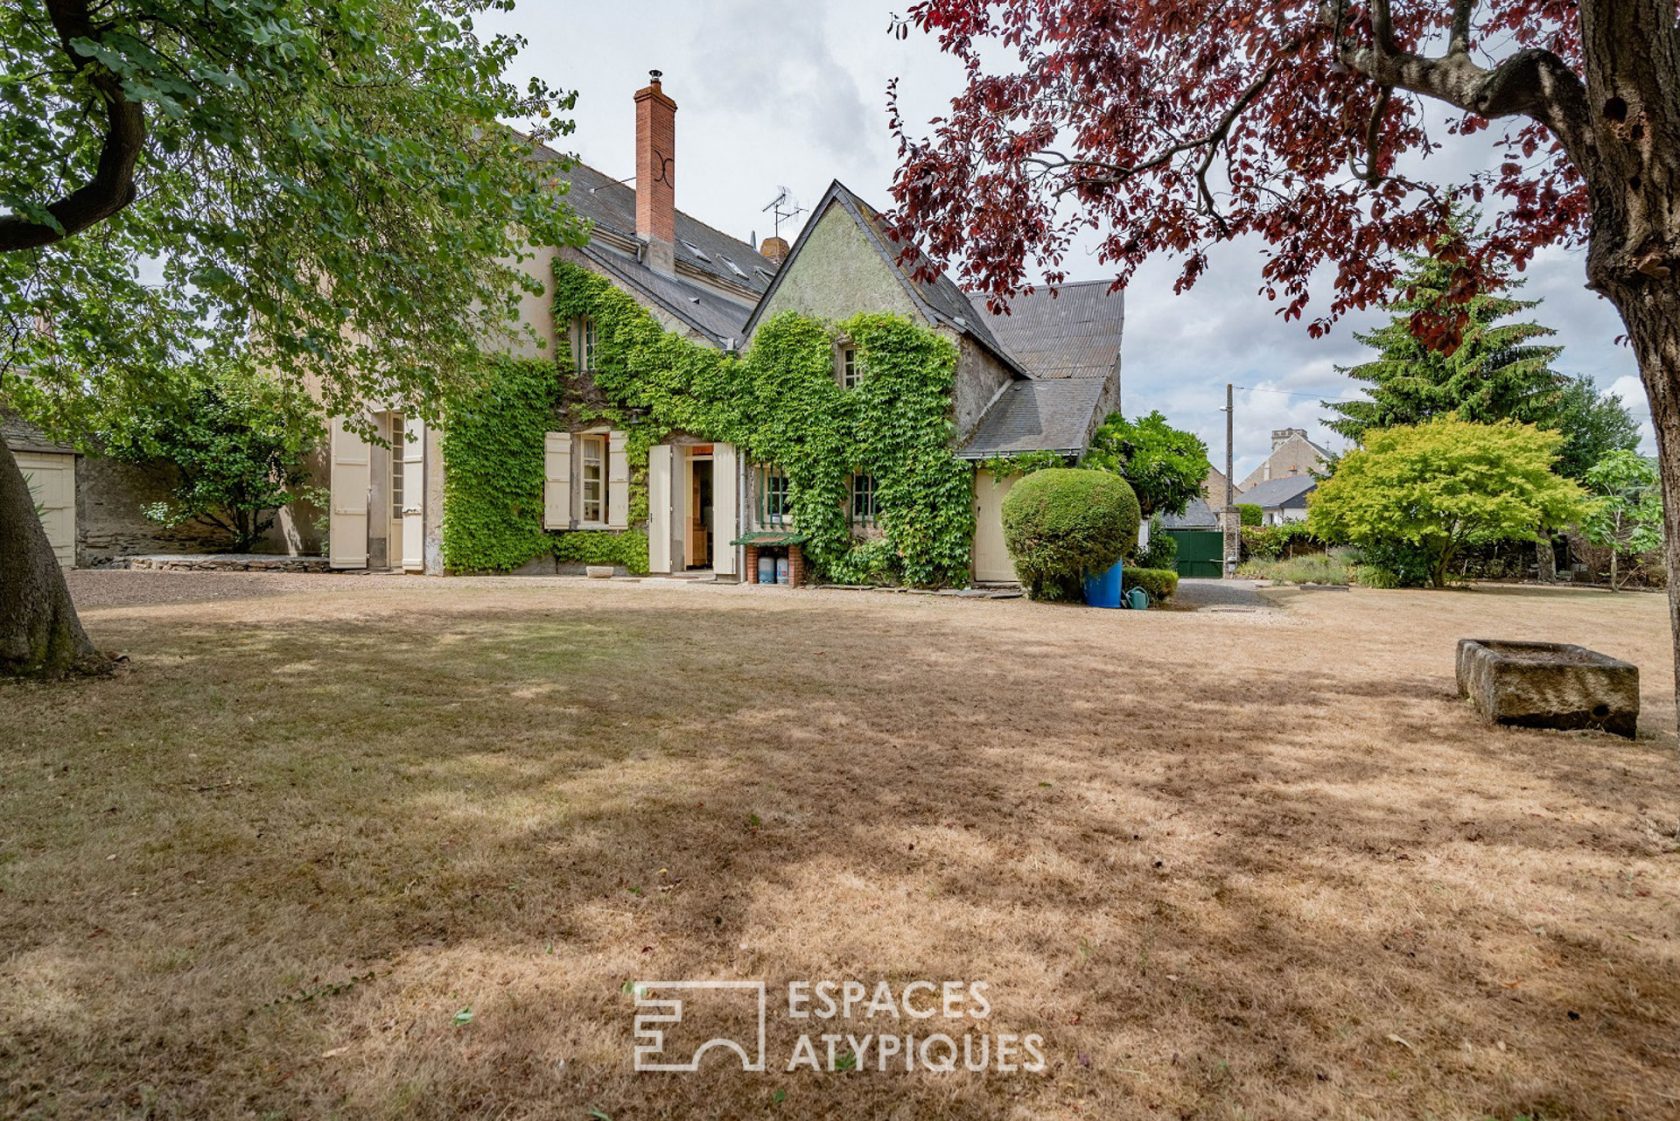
point(1160, 583)
point(1269, 542)
point(626, 549)
point(1062, 522)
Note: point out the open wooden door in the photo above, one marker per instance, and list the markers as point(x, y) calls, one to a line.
point(350, 481)
point(726, 487)
point(413, 454)
point(659, 508)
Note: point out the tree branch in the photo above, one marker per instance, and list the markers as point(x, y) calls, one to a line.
point(112, 186)
point(1532, 83)
point(1459, 43)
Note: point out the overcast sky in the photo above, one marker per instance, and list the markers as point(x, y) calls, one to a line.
point(775, 93)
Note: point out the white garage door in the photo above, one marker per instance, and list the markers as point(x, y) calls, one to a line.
point(52, 480)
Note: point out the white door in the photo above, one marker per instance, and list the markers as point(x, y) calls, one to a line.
point(659, 508)
point(52, 483)
point(347, 528)
point(414, 496)
point(725, 517)
point(992, 562)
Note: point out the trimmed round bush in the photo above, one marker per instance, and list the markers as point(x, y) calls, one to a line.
point(1064, 522)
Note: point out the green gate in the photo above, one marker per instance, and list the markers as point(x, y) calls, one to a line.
point(1200, 551)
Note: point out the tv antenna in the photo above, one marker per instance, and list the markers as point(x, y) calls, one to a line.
point(783, 207)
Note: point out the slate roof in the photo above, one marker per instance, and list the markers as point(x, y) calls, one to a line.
point(1037, 414)
point(1071, 332)
point(939, 299)
point(1291, 491)
point(1197, 515)
point(21, 436)
point(610, 206)
point(708, 311)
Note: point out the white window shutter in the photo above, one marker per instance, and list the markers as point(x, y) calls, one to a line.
point(413, 454)
point(350, 480)
point(618, 481)
point(724, 515)
point(557, 480)
point(659, 508)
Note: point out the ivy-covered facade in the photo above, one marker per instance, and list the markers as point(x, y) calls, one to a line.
point(688, 404)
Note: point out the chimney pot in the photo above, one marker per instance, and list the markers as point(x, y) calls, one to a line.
point(775, 249)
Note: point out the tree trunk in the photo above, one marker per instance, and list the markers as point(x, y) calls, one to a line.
point(1651, 311)
point(1545, 558)
point(1631, 162)
point(40, 635)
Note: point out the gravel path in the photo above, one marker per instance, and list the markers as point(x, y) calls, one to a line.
point(1200, 593)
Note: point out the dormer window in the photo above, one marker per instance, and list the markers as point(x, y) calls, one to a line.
point(583, 343)
point(847, 366)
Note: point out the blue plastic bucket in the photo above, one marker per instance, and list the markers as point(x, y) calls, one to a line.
point(1103, 589)
point(766, 569)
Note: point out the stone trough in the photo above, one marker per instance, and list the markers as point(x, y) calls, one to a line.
point(1549, 685)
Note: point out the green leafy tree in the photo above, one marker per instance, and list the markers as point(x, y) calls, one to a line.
point(1594, 425)
point(1164, 465)
point(327, 184)
point(1625, 511)
point(238, 442)
point(1501, 370)
point(1441, 486)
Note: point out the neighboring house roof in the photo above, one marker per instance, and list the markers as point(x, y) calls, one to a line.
point(939, 299)
point(1273, 494)
point(1038, 414)
point(1197, 515)
point(21, 436)
point(1070, 332)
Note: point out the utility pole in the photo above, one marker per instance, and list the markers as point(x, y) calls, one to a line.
point(1230, 521)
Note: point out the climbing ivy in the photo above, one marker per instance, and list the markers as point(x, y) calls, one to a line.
point(1021, 463)
point(627, 548)
point(493, 477)
point(781, 404)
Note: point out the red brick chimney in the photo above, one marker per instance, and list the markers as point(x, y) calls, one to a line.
point(656, 175)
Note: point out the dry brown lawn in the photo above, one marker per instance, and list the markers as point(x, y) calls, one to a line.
point(1255, 865)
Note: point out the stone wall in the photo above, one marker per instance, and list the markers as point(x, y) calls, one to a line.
point(110, 499)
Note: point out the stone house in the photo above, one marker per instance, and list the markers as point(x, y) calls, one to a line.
point(1040, 378)
point(1292, 454)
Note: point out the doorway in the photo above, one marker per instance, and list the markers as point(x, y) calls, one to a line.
point(697, 538)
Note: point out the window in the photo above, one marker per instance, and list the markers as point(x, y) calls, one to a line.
point(774, 508)
point(593, 479)
point(850, 371)
point(398, 439)
point(583, 343)
point(863, 500)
